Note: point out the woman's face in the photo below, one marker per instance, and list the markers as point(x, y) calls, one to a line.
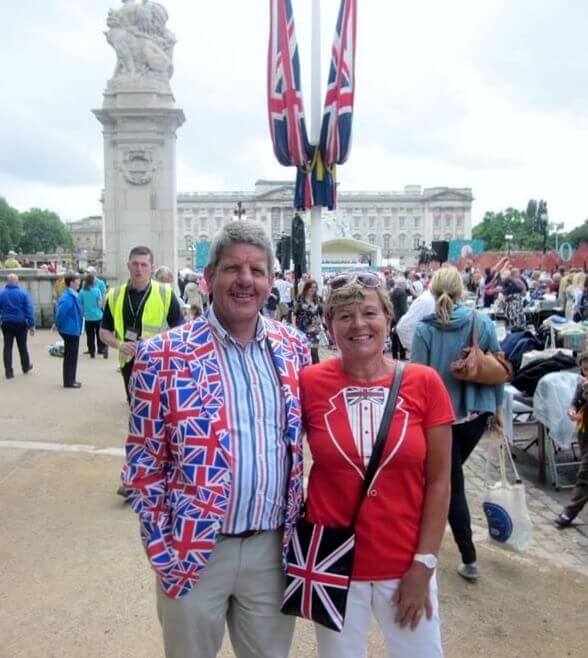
point(312, 290)
point(360, 329)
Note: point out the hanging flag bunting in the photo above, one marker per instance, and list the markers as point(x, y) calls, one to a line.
point(285, 105)
point(315, 180)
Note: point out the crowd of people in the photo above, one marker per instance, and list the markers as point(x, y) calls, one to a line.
point(232, 373)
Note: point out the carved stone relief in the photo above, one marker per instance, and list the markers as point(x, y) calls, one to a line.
point(138, 165)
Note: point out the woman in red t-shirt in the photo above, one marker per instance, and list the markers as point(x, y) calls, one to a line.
point(402, 519)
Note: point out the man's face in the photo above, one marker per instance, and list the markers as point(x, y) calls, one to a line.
point(140, 269)
point(240, 284)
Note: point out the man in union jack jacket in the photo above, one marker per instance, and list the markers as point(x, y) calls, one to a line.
point(214, 459)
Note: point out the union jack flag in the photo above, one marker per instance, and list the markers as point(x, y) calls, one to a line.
point(285, 105)
point(318, 573)
point(335, 141)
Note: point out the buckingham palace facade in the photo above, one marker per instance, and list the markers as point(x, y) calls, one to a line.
point(395, 221)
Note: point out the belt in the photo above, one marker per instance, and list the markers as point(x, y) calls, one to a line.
point(244, 535)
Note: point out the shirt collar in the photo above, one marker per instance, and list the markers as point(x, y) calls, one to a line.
point(224, 336)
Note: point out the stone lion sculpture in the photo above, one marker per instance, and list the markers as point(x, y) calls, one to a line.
point(143, 44)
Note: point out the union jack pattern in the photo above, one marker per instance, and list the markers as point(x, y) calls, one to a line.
point(285, 105)
point(318, 573)
point(178, 452)
point(315, 177)
point(338, 111)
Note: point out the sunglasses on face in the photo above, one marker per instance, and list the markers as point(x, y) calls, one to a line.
point(365, 280)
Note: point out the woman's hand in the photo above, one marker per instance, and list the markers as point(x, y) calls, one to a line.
point(412, 596)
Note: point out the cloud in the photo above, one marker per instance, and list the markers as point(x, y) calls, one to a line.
point(487, 94)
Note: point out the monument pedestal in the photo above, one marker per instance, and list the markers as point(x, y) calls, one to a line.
point(139, 201)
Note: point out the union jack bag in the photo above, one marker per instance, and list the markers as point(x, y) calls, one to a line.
point(320, 558)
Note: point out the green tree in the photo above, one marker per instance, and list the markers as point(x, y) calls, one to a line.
point(42, 230)
point(539, 220)
point(10, 227)
point(495, 226)
point(576, 235)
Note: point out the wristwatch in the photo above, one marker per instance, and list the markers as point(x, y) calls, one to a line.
point(428, 559)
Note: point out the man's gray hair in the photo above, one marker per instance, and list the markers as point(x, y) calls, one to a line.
point(241, 232)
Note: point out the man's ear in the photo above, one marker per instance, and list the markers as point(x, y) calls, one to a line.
point(208, 274)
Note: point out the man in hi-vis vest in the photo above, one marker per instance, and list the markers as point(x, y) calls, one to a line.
point(140, 308)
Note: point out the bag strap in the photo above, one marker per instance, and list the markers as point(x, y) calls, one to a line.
point(503, 448)
point(474, 332)
point(380, 442)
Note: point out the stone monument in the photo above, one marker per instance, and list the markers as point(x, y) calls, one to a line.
point(140, 120)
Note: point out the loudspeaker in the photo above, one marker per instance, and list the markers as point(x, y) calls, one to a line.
point(441, 248)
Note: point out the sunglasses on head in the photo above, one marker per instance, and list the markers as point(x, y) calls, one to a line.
point(365, 280)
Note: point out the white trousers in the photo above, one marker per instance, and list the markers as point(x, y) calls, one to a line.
point(377, 597)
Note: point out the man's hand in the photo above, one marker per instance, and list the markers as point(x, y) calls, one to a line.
point(572, 414)
point(412, 596)
point(128, 348)
point(32, 331)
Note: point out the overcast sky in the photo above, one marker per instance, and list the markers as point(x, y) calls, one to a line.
point(487, 94)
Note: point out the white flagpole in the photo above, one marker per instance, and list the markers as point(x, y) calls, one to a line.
point(316, 102)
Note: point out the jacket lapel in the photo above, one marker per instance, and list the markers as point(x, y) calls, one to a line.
point(205, 370)
point(340, 433)
point(284, 360)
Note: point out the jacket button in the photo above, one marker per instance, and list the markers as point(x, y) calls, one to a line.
point(372, 492)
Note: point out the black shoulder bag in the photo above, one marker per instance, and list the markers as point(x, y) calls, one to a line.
point(320, 559)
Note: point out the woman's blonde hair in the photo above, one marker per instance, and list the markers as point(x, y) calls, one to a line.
point(351, 293)
point(447, 288)
point(579, 280)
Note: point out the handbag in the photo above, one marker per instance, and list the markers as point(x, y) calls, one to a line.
point(320, 558)
point(504, 504)
point(479, 367)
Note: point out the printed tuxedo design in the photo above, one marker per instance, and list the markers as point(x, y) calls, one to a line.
point(353, 420)
point(179, 453)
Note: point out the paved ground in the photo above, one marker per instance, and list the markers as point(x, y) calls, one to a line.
point(75, 582)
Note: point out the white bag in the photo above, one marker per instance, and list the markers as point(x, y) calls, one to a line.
point(504, 504)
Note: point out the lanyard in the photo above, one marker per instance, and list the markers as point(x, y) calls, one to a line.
point(136, 313)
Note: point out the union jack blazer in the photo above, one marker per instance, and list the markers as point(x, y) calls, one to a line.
point(179, 454)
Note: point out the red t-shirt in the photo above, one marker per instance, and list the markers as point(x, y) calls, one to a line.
point(341, 417)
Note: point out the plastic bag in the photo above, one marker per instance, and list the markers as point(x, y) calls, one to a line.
point(57, 349)
point(505, 504)
point(553, 397)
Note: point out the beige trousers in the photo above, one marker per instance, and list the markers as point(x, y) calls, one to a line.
point(242, 585)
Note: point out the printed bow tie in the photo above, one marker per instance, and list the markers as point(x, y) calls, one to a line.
point(355, 395)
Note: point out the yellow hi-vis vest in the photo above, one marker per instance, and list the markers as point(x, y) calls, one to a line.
point(153, 314)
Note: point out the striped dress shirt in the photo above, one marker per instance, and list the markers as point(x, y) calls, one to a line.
point(256, 419)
